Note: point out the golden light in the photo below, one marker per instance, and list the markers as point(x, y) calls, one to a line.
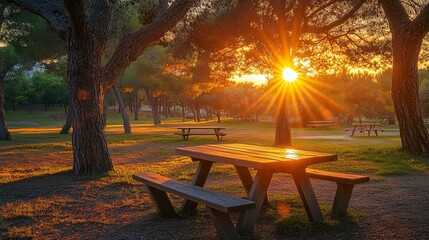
point(289, 75)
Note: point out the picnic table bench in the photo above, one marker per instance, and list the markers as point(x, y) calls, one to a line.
point(186, 132)
point(323, 124)
point(345, 185)
point(365, 128)
point(218, 204)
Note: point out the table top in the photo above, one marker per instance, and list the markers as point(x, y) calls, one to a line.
point(259, 157)
point(366, 124)
point(200, 128)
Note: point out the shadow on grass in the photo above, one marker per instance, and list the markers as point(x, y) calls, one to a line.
point(39, 186)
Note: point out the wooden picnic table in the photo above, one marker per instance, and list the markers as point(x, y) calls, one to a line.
point(321, 124)
point(366, 128)
point(267, 161)
point(186, 132)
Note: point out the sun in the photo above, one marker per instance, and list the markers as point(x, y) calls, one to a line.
point(289, 75)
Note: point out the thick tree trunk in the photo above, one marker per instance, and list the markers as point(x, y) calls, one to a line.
point(90, 152)
point(4, 132)
point(414, 135)
point(125, 119)
point(283, 135)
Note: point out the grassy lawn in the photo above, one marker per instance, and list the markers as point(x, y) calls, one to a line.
point(40, 197)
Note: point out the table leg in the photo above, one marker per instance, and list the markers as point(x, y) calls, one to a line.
point(199, 180)
point(257, 193)
point(247, 180)
point(217, 133)
point(308, 196)
point(245, 177)
point(353, 132)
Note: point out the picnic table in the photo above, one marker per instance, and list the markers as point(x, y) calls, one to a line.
point(266, 161)
point(322, 124)
point(186, 132)
point(366, 128)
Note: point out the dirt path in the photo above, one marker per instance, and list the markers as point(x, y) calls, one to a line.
point(394, 208)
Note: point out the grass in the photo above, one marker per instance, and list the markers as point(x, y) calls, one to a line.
point(40, 197)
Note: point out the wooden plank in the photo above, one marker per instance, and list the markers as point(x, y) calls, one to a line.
point(337, 177)
point(214, 134)
point(201, 128)
point(342, 200)
point(211, 199)
point(199, 179)
point(258, 193)
point(161, 201)
point(308, 197)
point(256, 156)
point(223, 224)
point(245, 177)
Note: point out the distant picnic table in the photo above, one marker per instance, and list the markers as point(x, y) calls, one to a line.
point(366, 128)
point(321, 124)
point(186, 132)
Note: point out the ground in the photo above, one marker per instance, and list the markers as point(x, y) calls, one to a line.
point(40, 198)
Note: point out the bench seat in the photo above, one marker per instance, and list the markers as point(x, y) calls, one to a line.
point(218, 204)
point(185, 136)
point(188, 134)
point(345, 184)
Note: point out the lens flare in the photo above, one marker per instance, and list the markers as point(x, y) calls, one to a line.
point(289, 75)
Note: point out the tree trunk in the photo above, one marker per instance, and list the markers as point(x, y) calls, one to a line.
point(4, 132)
point(125, 119)
point(414, 135)
point(105, 106)
point(183, 113)
point(136, 106)
point(68, 123)
point(90, 151)
point(283, 135)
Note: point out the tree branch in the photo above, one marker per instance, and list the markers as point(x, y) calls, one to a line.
point(339, 21)
point(162, 7)
point(421, 22)
point(132, 45)
point(52, 12)
point(100, 18)
point(395, 13)
point(2, 10)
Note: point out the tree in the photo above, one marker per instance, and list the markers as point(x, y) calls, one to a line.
point(85, 27)
point(365, 95)
point(407, 38)
point(27, 40)
point(282, 34)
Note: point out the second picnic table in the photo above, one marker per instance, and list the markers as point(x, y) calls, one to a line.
point(186, 132)
point(267, 161)
point(366, 128)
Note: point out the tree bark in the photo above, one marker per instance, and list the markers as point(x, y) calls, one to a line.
point(136, 106)
point(407, 37)
point(283, 135)
point(4, 132)
point(413, 132)
point(154, 105)
point(86, 88)
point(125, 119)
